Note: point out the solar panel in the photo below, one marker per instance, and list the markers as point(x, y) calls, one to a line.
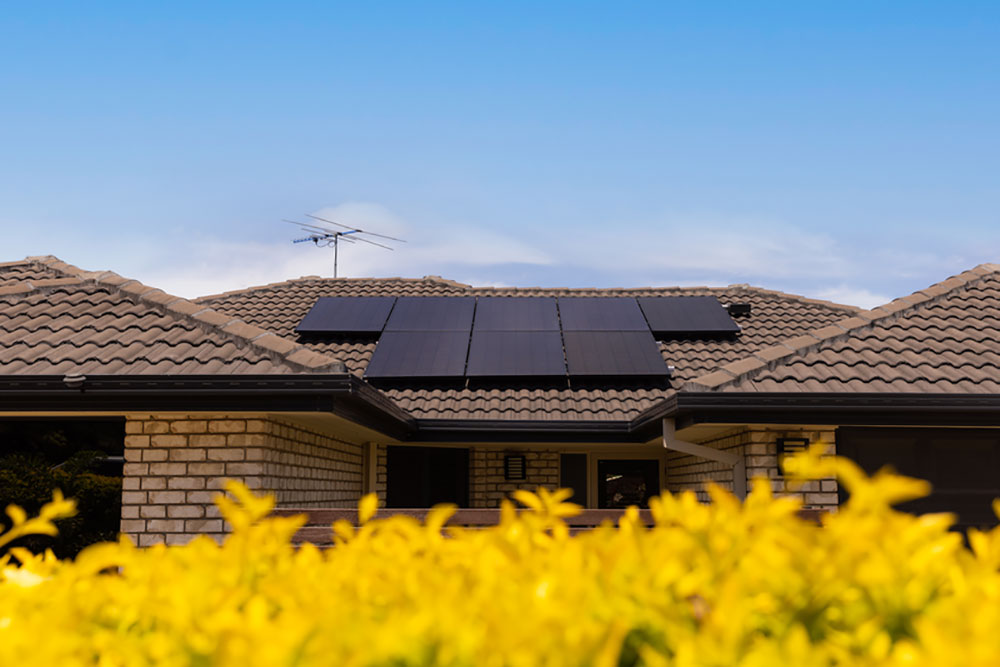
point(419, 354)
point(613, 353)
point(347, 314)
point(687, 315)
point(432, 313)
point(516, 314)
point(522, 353)
point(601, 314)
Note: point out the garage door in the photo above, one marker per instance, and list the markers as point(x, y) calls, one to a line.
point(962, 464)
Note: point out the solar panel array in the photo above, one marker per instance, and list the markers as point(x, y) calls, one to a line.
point(497, 337)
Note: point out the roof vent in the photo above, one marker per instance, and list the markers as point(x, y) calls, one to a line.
point(738, 309)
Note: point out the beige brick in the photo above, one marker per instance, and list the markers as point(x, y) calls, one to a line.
point(821, 499)
point(133, 426)
point(166, 497)
point(170, 441)
point(177, 539)
point(828, 485)
point(152, 511)
point(130, 511)
point(131, 483)
point(156, 427)
point(211, 469)
point(185, 511)
point(200, 497)
point(256, 426)
point(227, 426)
point(216, 440)
point(136, 441)
point(149, 539)
point(225, 454)
point(189, 426)
point(203, 525)
point(186, 483)
point(133, 497)
point(187, 454)
point(244, 469)
point(167, 468)
point(130, 469)
point(133, 455)
point(154, 483)
point(246, 440)
point(154, 455)
point(165, 525)
point(133, 526)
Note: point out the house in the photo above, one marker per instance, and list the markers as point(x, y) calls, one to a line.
point(272, 386)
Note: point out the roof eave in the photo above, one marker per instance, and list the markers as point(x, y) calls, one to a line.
point(836, 408)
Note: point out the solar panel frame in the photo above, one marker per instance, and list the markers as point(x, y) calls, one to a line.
point(498, 313)
point(613, 354)
point(601, 314)
point(419, 354)
point(687, 315)
point(432, 313)
point(347, 315)
point(516, 353)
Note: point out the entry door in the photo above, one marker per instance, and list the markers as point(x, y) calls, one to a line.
point(624, 482)
point(426, 476)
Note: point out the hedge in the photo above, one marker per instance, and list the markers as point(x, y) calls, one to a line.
point(726, 583)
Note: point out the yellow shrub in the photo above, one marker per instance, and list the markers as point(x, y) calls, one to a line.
point(723, 584)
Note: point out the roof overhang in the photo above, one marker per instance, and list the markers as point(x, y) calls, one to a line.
point(341, 394)
point(869, 409)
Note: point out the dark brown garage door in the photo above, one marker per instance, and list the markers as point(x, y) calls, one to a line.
point(962, 464)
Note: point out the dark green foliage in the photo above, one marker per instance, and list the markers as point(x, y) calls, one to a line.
point(72, 456)
point(28, 481)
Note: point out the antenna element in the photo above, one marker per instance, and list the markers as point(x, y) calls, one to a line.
point(324, 236)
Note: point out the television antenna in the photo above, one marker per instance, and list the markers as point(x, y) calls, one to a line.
point(322, 236)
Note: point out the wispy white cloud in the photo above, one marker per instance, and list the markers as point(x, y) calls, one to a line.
point(212, 265)
point(853, 296)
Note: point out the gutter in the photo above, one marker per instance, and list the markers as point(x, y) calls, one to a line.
point(341, 394)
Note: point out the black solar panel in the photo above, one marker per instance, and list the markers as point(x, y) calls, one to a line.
point(432, 313)
point(347, 314)
point(687, 315)
point(516, 314)
point(523, 353)
point(419, 354)
point(601, 314)
point(613, 353)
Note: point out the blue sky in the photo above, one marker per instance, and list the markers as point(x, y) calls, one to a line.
point(847, 150)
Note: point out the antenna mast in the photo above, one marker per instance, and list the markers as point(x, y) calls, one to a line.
point(324, 236)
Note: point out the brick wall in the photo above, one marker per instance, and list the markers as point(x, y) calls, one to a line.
point(760, 447)
point(487, 485)
point(176, 463)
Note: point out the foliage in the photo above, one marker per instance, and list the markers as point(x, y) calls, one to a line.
point(723, 584)
point(28, 481)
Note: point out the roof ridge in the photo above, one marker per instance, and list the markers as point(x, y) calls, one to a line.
point(290, 281)
point(798, 298)
point(771, 357)
point(298, 357)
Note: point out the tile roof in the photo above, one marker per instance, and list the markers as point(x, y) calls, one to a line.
point(56, 319)
point(279, 307)
point(939, 340)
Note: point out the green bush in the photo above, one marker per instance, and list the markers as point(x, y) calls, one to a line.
point(27, 480)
